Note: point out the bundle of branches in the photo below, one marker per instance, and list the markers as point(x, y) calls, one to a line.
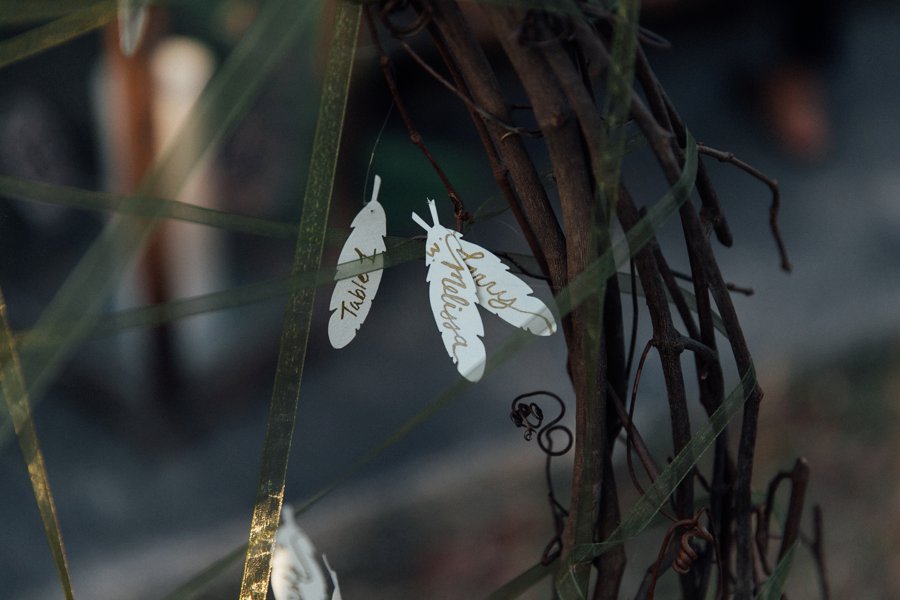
point(576, 61)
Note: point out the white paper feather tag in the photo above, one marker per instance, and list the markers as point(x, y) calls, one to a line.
point(504, 294)
point(352, 298)
point(453, 297)
point(296, 573)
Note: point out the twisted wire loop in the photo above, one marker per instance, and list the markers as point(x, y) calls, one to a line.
point(389, 8)
point(530, 416)
point(685, 553)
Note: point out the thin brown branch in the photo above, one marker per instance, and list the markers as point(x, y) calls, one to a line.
point(732, 287)
point(668, 275)
point(818, 550)
point(762, 537)
point(635, 441)
point(485, 114)
point(698, 245)
point(459, 209)
point(632, 345)
point(498, 169)
point(587, 358)
point(799, 483)
point(730, 158)
point(468, 58)
point(738, 289)
point(665, 339)
point(663, 110)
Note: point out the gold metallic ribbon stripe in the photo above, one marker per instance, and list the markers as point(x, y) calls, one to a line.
point(298, 313)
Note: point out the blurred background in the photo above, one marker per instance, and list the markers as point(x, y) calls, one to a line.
point(152, 436)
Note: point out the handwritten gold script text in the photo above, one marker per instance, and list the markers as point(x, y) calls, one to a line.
point(357, 292)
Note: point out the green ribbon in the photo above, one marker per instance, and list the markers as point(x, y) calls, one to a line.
point(15, 396)
point(298, 314)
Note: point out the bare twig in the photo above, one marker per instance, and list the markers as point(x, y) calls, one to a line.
point(488, 116)
point(632, 345)
point(459, 209)
point(550, 66)
point(635, 440)
point(665, 337)
point(732, 287)
point(799, 478)
point(587, 358)
point(818, 549)
point(730, 158)
point(666, 115)
point(699, 246)
point(499, 170)
point(468, 58)
point(668, 276)
point(631, 406)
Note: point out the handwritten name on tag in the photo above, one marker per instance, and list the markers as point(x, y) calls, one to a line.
point(352, 297)
point(453, 296)
point(463, 274)
point(504, 294)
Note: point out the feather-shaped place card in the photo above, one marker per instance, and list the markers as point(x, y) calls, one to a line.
point(453, 296)
point(504, 294)
point(463, 274)
point(296, 573)
point(352, 297)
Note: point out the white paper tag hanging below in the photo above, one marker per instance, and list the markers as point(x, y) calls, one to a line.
point(352, 297)
point(296, 573)
point(453, 297)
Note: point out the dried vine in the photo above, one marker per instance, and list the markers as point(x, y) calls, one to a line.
point(561, 57)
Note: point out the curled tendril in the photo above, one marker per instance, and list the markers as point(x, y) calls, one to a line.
point(392, 7)
point(685, 554)
point(531, 417)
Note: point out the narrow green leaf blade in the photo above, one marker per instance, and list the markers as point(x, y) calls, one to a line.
point(524, 582)
point(142, 206)
point(59, 31)
point(15, 395)
point(298, 314)
point(75, 308)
